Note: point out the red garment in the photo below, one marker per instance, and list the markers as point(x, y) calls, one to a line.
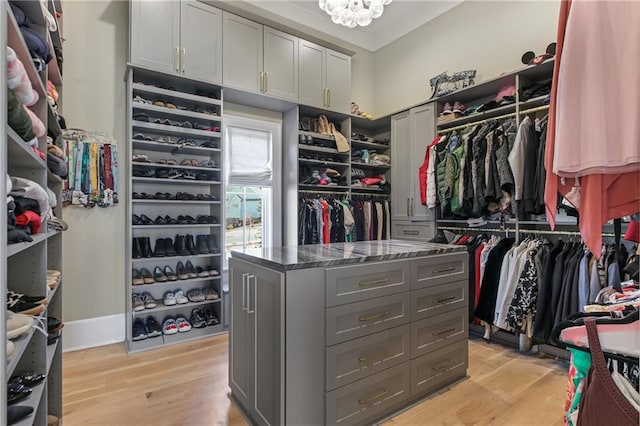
point(602, 197)
point(30, 218)
point(108, 176)
point(326, 229)
point(478, 277)
point(462, 240)
point(422, 172)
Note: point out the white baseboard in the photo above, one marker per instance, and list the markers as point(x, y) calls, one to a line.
point(92, 332)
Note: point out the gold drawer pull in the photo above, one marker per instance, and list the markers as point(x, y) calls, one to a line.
point(374, 317)
point(374, 356)
point(444, 366)
point(372, 398)
point(446, 299)
point(442, 271)
point(440, 333)
point(373, 282)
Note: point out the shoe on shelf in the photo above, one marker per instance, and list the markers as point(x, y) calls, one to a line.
point(447, 109)
point(136, 277)
point(210, 317)
point(20, 307)
point(13, 295)
point(160, 249)
point(191, 271)
point(147, 277)
point(147, 299)
point(136, 249)
point(53, 278)
point(181, 299)
point(145, 220)
point(190, 245)
point(458, 107)
point(197, 319)
point(210, 294)
point(201, 244)
point(171, 275)
point(183, 325)
point(139, 331)
point(179, 245)
point(159, 275)
point(182, 271)
point(17, 324)
point(54, 325)
point(15, 413)
point(52, 420)
point(137, 304)
point(17, 392)
point(170, 220)
point(145, 243)
point(28, 378)
point(169, 299)
point(168, 247)
point(201, 272)
point(212, 243)
point(169, 326)
point(212, 271)
point(195, 295)
point(153, 327)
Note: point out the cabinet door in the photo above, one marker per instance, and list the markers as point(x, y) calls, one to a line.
point(280, 64)
point(240, 336)
point(312, 75)
point(155, 35)
point(422, 133)
point(201, 41)
point(242, 53)
point(265, 300)
point(339, 81)
point(400, 172)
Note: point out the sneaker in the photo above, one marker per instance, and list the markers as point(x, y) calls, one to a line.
point(210, 294)
point(210, 317)
point(181, 299)
point(147, 299)
point(169, 299)
point(153, 327)
point(195, 295)
point(197, 319)
point(17, 324)
point(139, 331)
point(447, 108)
point(137, 303)
point(183, 325)
point(458, 107)
point(170, 326)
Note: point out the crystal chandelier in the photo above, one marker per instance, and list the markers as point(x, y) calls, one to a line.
point(352, 13)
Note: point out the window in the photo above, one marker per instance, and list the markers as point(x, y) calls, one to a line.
point(252, 150)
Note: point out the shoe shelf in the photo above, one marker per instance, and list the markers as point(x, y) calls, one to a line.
point(323, 187)
point(163, 308)
point(175, 112)
point(16, 248)
point(323, 163)
point(370, 166)
point(533, 102)
point(152, 201)
point(32, 401)
point(20, 344)
point(179, 225)
point(368, 190)
point(51, 295)
point(195, 333)
point(369, 145)
point(320, 136)
point(174, 94)
point(175, 166)
point(317, 148)
point(173, 148)
point(174, 130)
point(147, 287)
point(167, 180)
point(469, 119)
point(176, 258)
point(21, 154)
point(51, 353)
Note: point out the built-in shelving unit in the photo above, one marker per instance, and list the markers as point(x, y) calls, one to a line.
point(181, 111)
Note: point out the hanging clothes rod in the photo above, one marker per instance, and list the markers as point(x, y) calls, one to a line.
point(500, 117)
point(520, 231)
point(490, 230)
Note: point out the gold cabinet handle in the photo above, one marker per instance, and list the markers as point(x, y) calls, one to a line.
point(442, 271)
point(374, 356)
point(446, 299)
point(324, 97)
point(373, 282)
point(266, 81)
point(411, 232)
point(408, 214)
point(328, 98)
point(374, 317)
point(411, 209)
point(440, 333)
point(261, 79)
point(184, 59)
point(444, 366)
point(374, 397)
point(177, 59)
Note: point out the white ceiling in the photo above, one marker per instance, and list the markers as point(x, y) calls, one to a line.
point(398, 19)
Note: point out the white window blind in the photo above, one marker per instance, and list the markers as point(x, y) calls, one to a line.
point(250, 160)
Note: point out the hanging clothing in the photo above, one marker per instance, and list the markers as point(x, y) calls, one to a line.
point(491, 280)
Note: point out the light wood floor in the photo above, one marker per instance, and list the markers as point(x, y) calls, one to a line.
point(187, 385)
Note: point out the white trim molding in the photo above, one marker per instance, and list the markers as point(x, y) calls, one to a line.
point(92, 332)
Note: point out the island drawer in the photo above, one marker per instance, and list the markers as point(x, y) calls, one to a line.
point(438, 299)
point(439, 269)
point(350, 284)
point(370, 398)
point(433, 333)
point(359, 358)
point(359, 319)
point(413, 231)
point(430, 373)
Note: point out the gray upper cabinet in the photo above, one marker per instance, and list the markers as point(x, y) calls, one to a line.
point(155, 35)
point(325, 78)
point(242, 53)
point(177, 37)
point(201, 42)
point(411, 132)
point(259, 59)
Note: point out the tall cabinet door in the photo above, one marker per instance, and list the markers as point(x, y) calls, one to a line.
point(241, 348)
point(422, 133)
point(312, 69)
point(155, 35)
point(281, 64)
point(339, 82)
point(242, 53)
point(201, 41)
point(266, 294)
point(400, 172)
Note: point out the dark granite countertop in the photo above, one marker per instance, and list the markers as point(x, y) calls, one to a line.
point(320, 255)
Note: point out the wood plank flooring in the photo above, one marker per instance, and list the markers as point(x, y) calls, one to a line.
point(187, 385)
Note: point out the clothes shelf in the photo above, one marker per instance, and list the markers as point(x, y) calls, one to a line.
point(21, 154)
point(175, 112)
point(369, 145)
point(371, 166)
point(173, 148)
